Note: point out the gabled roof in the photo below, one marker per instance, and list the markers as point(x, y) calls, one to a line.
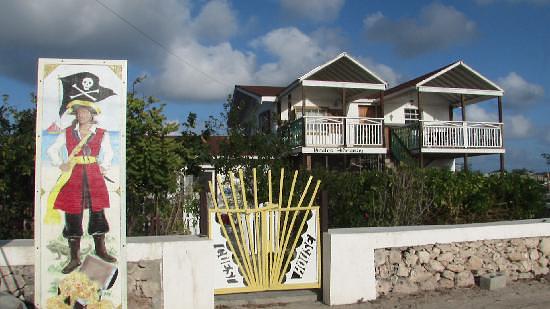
point(413, 82)
point(452, 81)
point(343, 72)
point(261, 91)
point(343, 68)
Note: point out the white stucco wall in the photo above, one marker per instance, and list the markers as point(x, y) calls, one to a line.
point(187, 272)
point(330, 98)
point(348, 254)
point(433, 106)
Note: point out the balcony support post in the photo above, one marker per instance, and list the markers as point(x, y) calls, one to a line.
point(304, 133)
point(382, 116)
point(344, 126)
point(465, 130)
point(307, 162)
point(500, 119)
point(303, 100)
point(420, 128)
point(289, 106)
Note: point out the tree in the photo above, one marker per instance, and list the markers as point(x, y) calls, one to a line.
point(195, 149)
point(153, 164)
point(247, 147)
point(17, 144)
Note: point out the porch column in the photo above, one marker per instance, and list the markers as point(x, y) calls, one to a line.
point(420, 128)
point(343, 101)
point(500, 119)
point(344, 129)
point(279, 113)
point(303, 100)
point(465, 136)
point(381, 96)
point(289, 98)
point(381, 110)
point(307, 162)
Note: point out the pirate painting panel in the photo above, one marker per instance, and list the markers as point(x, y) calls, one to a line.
point(80, 216)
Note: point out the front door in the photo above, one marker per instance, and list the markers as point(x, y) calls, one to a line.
point(264, 246)
point(367, 111)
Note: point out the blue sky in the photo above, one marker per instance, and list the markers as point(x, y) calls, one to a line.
point(194, 52)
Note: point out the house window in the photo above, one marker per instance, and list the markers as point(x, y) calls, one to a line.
point(411, 115)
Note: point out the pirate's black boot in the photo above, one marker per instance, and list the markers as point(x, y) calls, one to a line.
point(74, 248)
point(101, 250)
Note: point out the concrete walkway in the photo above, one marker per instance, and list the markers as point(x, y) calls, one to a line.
point(530, 294)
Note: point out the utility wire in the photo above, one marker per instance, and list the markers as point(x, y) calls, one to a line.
point(167, 50)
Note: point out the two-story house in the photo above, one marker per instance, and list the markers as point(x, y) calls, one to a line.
point(341, 115)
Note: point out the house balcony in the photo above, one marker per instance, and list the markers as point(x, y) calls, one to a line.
point(451, 137)
point(329, 134)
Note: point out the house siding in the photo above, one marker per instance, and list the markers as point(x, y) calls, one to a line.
point(433, 107)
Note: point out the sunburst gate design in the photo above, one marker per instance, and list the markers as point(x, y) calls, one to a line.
point(267, 245)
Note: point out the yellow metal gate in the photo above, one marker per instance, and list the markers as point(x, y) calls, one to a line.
point(272, 245)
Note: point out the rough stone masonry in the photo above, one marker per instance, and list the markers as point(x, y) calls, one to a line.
point(409, 270)
point(144, 283)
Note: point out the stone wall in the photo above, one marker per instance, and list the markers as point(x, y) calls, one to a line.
point(144, 283)
point(444, 266)
point(18, 281)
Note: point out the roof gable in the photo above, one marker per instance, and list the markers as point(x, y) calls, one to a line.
point(457, 78)
point(459, 75)
point(343, 68)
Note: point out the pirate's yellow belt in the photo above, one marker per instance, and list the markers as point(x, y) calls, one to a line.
point(84, 160)
point(52, 215)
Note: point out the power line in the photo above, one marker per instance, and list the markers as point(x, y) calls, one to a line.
point(167, 50)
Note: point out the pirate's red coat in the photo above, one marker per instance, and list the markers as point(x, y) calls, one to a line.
point(70, 196)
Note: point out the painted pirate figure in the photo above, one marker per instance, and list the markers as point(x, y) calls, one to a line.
point(82, 184)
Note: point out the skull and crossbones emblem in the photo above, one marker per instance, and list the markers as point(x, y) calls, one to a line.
point(87, 83)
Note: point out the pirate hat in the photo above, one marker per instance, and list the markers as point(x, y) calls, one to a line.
point(82, 89)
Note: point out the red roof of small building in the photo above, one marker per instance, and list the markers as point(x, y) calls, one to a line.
point(263, 91)
point(214, 143)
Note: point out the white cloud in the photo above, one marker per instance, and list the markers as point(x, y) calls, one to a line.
point(63, 29)
point(292, 59)
point(517, 126)
point(385, 72)
point(373, 19)
point(476, 113)
point(220, 66)
point(437, 27)
point(518, 92)
point(329, 37)
point(315, 10)
point(216, 21)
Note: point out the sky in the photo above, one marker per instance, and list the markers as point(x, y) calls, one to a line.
point(194, 52)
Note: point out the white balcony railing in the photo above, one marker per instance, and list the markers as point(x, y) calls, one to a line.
point(461, 134)
point(342, 131)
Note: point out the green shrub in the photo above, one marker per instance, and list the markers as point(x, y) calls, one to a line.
point(428, 196)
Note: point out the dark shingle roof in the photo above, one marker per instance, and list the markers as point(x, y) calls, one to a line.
point(267, 91)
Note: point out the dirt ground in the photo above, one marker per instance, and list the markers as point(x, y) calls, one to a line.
point(529, 294)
